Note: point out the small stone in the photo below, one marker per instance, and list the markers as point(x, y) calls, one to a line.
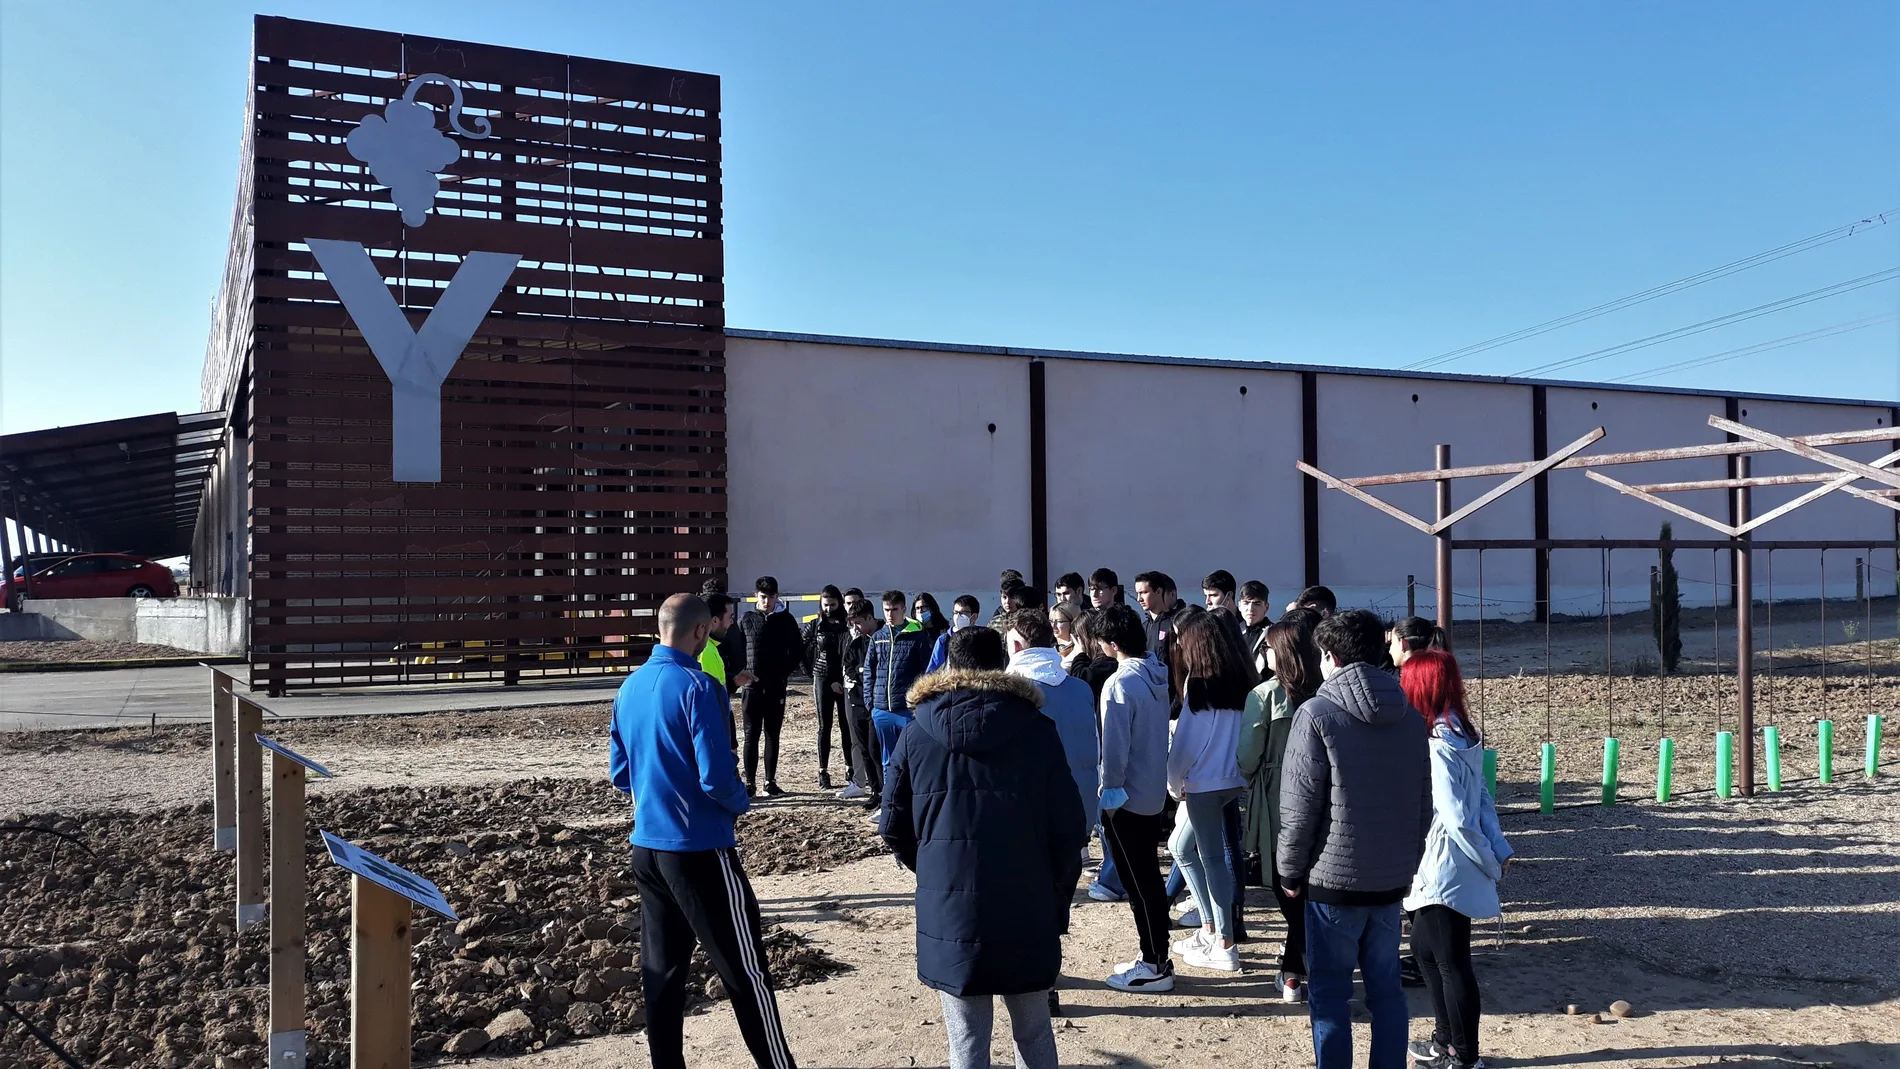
point(559, 996)
point(458, 849)
point(467, 1041)
point(1598, 1018)
point(1571, 1009)
point(510, 892)
point(510, 1023)
point(588, 988)
point(1620, 1008)
point(587, 1018)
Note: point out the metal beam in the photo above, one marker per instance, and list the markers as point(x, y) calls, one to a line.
point(1663, 503)
point(1341, 485)
point(1804, 449)
point(1536, 468)
point(1836, 483)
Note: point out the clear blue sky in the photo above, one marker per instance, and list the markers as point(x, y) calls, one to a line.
point(1367, 187)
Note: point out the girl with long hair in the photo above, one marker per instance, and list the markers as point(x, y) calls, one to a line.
point(1211, 674)
point(1293, 659)
point(924, 610)
point(1465, 856)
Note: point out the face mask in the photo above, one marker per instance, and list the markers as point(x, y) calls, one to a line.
point(963, 620)
point(925, 616)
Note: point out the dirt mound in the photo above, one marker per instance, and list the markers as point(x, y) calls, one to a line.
point(126, 954)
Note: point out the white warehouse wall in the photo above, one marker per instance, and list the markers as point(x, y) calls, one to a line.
point(1172, 468)
point(1797, 573)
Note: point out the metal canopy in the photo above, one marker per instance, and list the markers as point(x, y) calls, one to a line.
point(124, 485)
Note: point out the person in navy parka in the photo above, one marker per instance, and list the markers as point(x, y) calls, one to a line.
point(981, 805)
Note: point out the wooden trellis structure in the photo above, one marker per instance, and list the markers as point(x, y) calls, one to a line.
point(1749, 440)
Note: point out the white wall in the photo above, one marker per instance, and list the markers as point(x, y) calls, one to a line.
point(1797, 573)
point(200, 625)
point(1172, 468)
point(1582, 508)
point(1369, 426)
point(875, 467)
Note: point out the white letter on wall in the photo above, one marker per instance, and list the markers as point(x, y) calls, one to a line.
point(416, 361)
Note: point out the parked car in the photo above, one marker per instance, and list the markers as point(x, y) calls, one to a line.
point(93, 575)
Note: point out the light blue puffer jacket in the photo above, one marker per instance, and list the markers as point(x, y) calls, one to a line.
point(1465, 849)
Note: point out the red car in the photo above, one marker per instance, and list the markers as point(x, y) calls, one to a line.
point(93, 575)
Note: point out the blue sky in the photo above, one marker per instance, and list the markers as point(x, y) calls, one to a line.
point(1373, 186)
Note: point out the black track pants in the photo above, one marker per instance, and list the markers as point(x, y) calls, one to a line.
point(702, 898)
point(830, 707)
point(1132, 839)
point(867, 762)
point(763, 708)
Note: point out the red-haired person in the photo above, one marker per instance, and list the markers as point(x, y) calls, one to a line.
point(1465, 856)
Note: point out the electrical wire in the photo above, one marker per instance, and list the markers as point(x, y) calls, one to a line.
point(1742, 316)
point(1815, 241)
point(1760, 347)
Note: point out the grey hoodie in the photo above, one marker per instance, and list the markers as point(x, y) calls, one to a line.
point(1135, 734)
point(1355, 791)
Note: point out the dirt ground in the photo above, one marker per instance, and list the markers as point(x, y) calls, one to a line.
point(1754, 932)
point(47, 651)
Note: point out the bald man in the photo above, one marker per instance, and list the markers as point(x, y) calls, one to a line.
point(670, 751)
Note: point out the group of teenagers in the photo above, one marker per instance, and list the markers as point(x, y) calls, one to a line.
point(1325, 754)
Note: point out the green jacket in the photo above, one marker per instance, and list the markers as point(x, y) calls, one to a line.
point(712, 662)
point(1264, 726)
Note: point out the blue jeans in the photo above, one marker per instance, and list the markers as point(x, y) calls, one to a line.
point(1200, 856)
point(1337, 939)
point(1108, 877)
point(888, 726)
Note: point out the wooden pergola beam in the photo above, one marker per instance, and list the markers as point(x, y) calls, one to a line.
point(1537, 468)
point(1807, 450)
point(1664, 503)
point(1642, 456)
point(1837, 482)
point(1350, 490)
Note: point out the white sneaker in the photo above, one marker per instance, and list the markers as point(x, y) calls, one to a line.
point(1144, 979)
point(1194, 941)
point(1209, 954)
point(1293, 989)
point(853, 790)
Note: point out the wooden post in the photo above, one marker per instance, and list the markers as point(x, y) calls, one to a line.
point(379, 977)
point(287, 888)
point(1744, 642)
point(1443, 541)
point(250, 814)
point(223, 790)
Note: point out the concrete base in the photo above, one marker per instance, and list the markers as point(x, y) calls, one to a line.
point(30, 627)
point(201, 625)
point(287, 1050)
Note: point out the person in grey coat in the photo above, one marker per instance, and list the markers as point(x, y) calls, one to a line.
point(1355, 804)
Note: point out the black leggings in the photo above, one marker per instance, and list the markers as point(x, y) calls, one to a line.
point(1132, 839)
point(866, 761)
point(1441, 940)
point(830, 706)
point(763, 708)
point(1293, 955)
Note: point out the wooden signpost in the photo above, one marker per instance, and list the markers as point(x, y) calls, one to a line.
point(287, 895)
point(250, 815)
point(223, 790)
point(380, 949)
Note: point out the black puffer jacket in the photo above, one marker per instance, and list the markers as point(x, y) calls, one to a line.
point(1355, 791)
point(773, 650)
point(826, 637)
point(981, 806)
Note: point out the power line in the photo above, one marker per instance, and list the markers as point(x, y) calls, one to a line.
point(1744, 315)
point(1761, 347)
point(1813, 241)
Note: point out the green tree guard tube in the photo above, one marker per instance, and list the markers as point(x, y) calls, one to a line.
point(1826, 746)
point(1491, 771)
point(1724, 762)
point(1547, 779)
point(1612, 750)
point(1771, 744)
point(1665, 769)
point(1873, 745)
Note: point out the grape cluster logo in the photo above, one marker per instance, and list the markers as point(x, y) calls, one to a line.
point(405, 152)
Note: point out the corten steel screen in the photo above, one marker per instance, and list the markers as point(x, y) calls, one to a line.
point(584, 448)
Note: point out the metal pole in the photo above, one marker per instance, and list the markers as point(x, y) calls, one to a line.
point(1443, 538)
point(1411, 595)
point(1744, 640)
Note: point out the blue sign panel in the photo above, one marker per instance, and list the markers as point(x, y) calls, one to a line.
point(394, 877)
point(279, 748)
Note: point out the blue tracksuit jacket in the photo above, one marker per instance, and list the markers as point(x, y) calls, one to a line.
point(670, 751)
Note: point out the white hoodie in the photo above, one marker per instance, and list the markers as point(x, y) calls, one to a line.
point(1204, 755)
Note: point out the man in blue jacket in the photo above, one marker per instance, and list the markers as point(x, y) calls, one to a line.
point(670, 751)
point(897, 656)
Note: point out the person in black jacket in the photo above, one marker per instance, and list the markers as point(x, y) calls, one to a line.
point(826, 636)
point(1256, 615)
point(866, 762)
point(980, 804)
point(772, 652)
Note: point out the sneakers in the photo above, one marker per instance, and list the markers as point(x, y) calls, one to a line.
point(1200, 938)
point(1055, 1003)
point(1448, 1060)
point(1143, 978)
point(1422, 1050)
point(773, 790)
point(1209, 954)
point(1103, 894)
point(852, 791)
point(1190, 918)
point(1293, 989)
point(824, 781)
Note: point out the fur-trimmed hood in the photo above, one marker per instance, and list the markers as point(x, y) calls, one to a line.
point(973, 712)
point(945, 680)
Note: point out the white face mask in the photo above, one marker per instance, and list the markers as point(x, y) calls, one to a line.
point(1327, 668)
point(963, 620)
